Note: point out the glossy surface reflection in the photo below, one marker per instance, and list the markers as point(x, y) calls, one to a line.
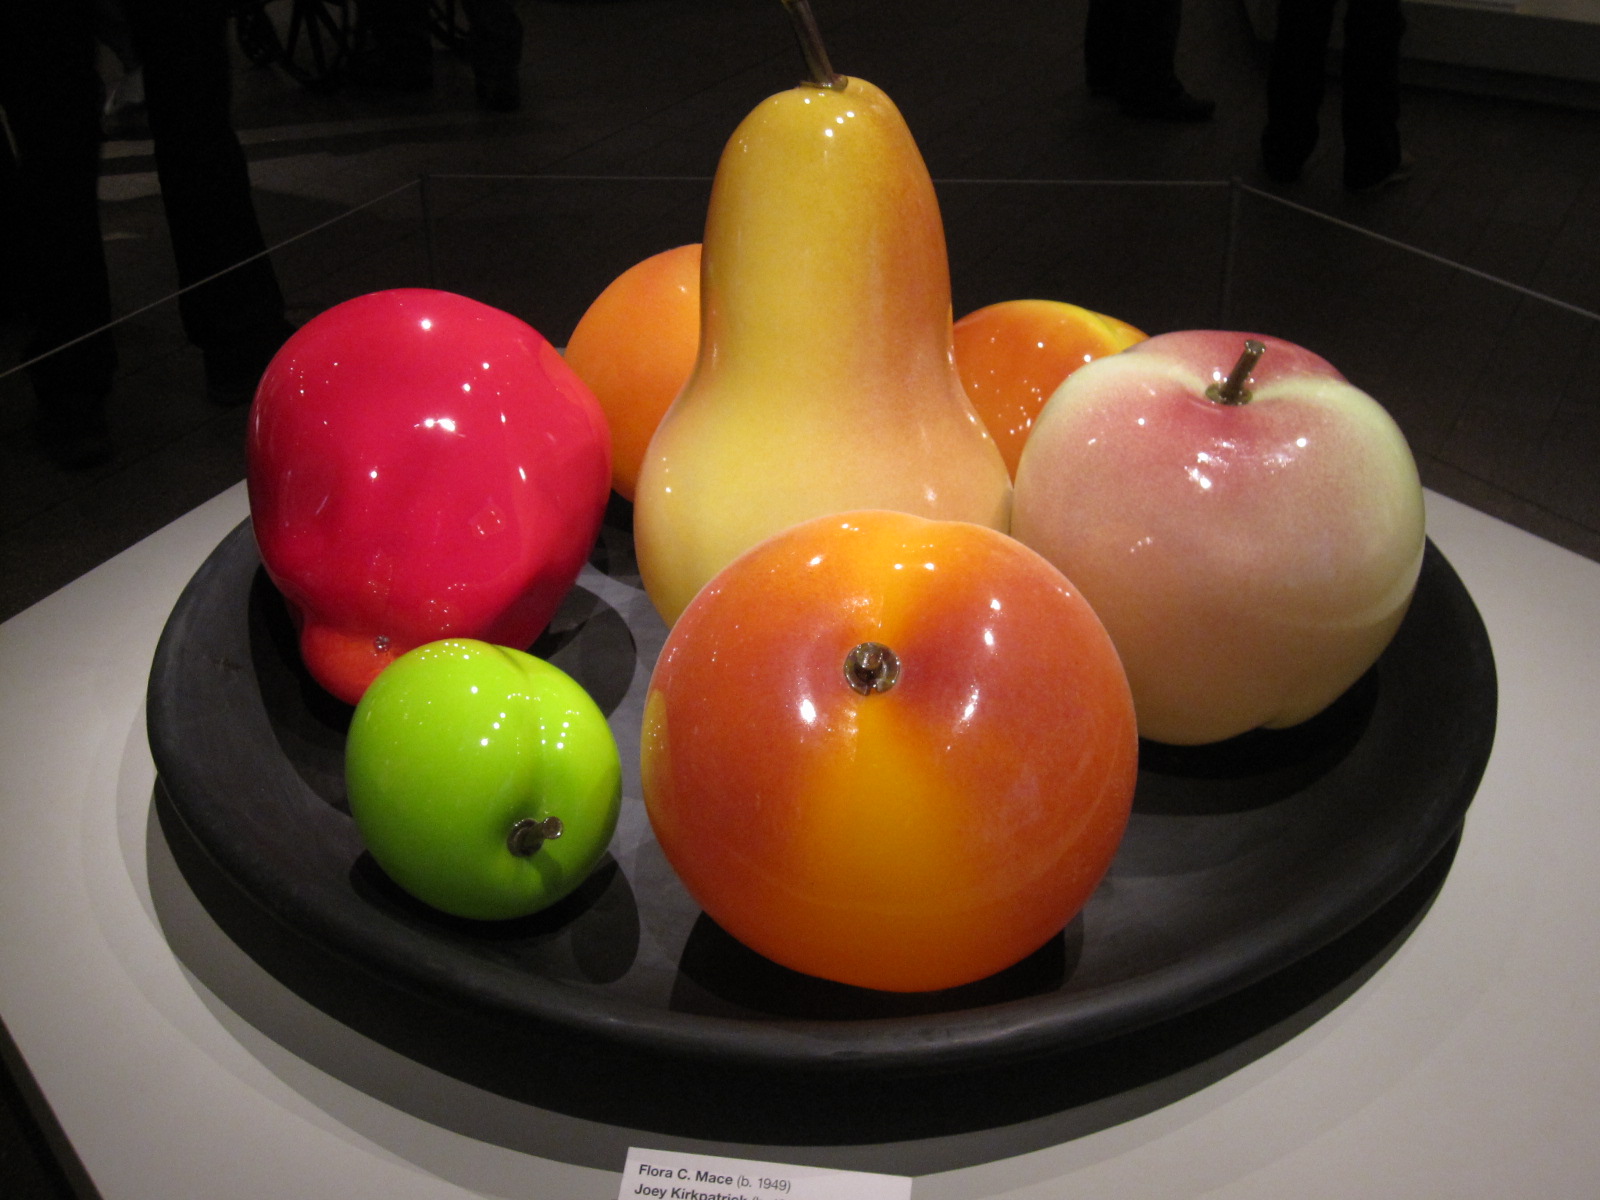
point(484, 781)
point(1251, 560)
point(825, 380)
point(635, 346)
point(421, 465)
point(889, 751)
point(1014, 354)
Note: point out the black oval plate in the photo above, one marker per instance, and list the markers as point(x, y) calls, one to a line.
point(1240, 860)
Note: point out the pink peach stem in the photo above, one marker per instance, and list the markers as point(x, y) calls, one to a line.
point(1232, 390)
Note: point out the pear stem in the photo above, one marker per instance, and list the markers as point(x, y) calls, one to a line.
point(1232, 390)
point(528, 834)
point(871, 667)
point(810, 38)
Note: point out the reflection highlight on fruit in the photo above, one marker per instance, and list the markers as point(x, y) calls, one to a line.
point(1251, 546)
point(889, 751)
point(484, 781)
point(421, 466)
point(1012, 356)
point(824, 380)
point(635, 346)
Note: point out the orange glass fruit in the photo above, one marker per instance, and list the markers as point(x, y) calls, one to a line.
point(1012, 356)
point(635, 346)
point(889, 751)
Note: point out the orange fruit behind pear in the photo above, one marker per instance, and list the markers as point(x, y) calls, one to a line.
point(1012, 356)
point(635, 347)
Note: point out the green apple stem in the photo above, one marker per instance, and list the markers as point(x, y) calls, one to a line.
point(816, 54)
point(528, 834)
point(871, 667)
point(1232, 390)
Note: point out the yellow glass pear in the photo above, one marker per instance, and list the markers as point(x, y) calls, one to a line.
point(825, 380)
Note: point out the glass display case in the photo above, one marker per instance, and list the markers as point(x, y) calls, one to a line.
point(315, 1025)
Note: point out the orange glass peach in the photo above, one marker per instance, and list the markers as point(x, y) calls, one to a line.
point(889, 751)
point(635, 346)
point(1012, 355)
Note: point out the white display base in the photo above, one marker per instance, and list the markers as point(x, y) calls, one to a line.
point(1467, 1066)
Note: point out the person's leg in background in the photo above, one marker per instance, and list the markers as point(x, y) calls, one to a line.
point(237, 318)
point(1102, 47)
point(1370, 108)
point(1296, 84)
point(52, 96)
point(494, 46)
point(125, 100)
point(1130, 52)
point(394, 49)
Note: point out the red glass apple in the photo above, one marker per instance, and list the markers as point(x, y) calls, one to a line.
point(421, 466)
point(889, 751)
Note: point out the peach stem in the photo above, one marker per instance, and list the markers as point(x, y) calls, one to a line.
point(1232, 389)
point(871, 667)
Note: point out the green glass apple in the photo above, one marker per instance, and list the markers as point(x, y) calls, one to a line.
point(484, 781)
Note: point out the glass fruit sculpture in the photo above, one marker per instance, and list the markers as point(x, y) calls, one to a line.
point(421, 466)
point(825, 379)
point(889, 751)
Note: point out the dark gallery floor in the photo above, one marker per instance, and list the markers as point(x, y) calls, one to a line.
point(1465, 298)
